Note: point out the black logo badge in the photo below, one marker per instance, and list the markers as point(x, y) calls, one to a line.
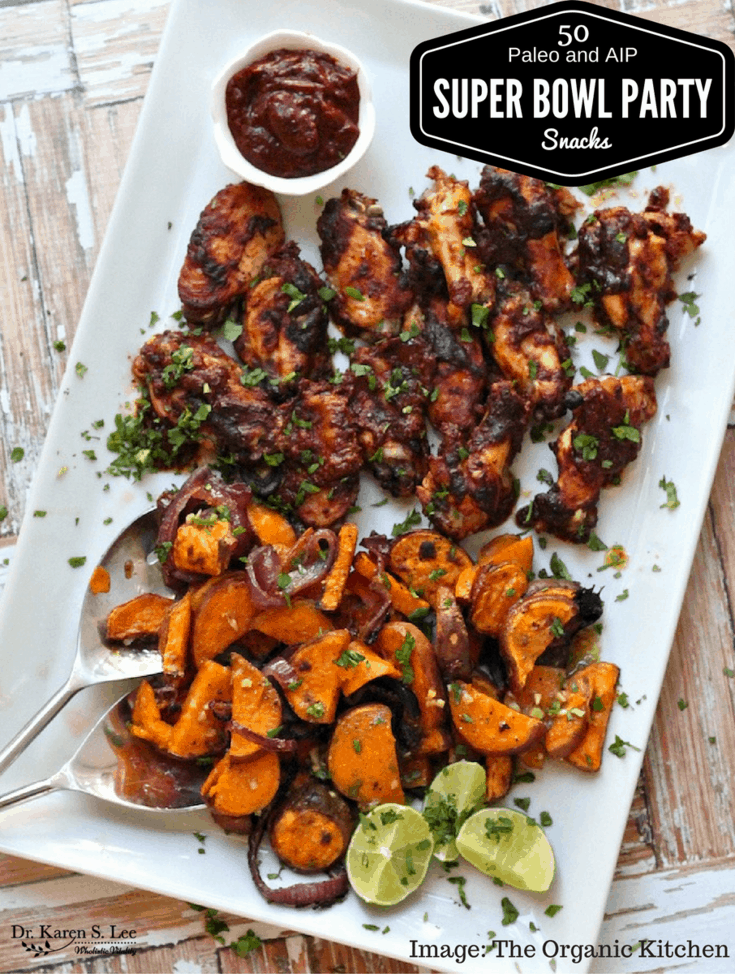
point(572, 92)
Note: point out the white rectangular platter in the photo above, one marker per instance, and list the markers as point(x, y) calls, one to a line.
point(172, 173)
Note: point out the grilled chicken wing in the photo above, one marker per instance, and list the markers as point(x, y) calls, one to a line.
point(469, 486)
point(285, 321)
point(525, 223)
point(390, 383)
point(196, 388)
point(235, 234)
point(457, 398)
point(444, 226)
point(625, 265)
point(362, 267)
point(322, 455)
point(530, 350)
point(603, 437)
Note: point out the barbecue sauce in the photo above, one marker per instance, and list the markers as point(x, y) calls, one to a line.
point(294, 113)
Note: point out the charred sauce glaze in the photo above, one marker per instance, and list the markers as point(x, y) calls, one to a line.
point(293, 113)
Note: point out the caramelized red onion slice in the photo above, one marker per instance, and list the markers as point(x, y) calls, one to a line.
point(282, 671)
point(274, 581)
point(205, 489)
point(278, 745)
point(322, 892)
point(264, 570)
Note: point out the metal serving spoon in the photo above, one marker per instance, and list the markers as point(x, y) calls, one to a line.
point(113, 765)
point(132, 571)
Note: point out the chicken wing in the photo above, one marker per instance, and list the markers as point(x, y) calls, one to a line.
point(625, 265)
point(196, 389)
point(530, 350)
point(362, 267)
point(457, 398)
point(390, 384)
point(322, 454)
point(526, 221)
point(469, 486)
point(445, 227)
point(603, 437)
point(284, 330)
point(235, 234)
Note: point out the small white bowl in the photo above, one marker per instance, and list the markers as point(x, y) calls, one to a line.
point(299, 185)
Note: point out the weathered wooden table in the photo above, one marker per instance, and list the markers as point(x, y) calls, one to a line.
point(72, 78)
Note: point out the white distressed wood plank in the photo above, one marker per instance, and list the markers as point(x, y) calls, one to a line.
point(115, 44)
point(35, 56)
point(691, 779)
point(27, 375)
point(675, 906)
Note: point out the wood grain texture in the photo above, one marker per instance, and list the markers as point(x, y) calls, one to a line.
point(72, 77)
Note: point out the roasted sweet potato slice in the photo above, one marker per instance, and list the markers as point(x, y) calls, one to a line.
point(204, 548)
point(569, 726)
point(603, 678)
point(514, 548)
point(255, 705)
point(139, 619)
point(360, 664)
point(270, 527)
point(499, 774)
point(292, 624)
point(237, 788)
point(413, 655)
point(452, 642)
point(223, 611)
point(311, 830)
point(540, 620)
point(504, 549)
point(495, 589)
point(314, 696)
point(362, 759)
point(197, 731)
point(488, 725)
point(401, 597)
point(334, 583)
point(146, 719)
point(426, 560)
point(173, 638)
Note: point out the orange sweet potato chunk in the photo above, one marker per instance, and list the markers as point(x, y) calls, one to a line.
point(292, 624)
point(334, 584)
point(255, 704)
point(173, 637)
point(204, 548)
point(237, 788)
point(146, 719)
point(197, 731)
point(603, 678)
point(270, 527)
point(223, 612)
point(488, 725)
point(315, 695)
point(138, 619)
point(360, 664)
point(362, 758)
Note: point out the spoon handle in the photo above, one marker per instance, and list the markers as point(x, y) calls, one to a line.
point(36, 724)
point(27, 792)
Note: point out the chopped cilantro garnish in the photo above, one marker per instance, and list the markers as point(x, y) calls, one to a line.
point(672, 500)
point(589, 189)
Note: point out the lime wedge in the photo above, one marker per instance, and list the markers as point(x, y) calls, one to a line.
point(389, 854)
point(454, 794)
point(507, 845)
